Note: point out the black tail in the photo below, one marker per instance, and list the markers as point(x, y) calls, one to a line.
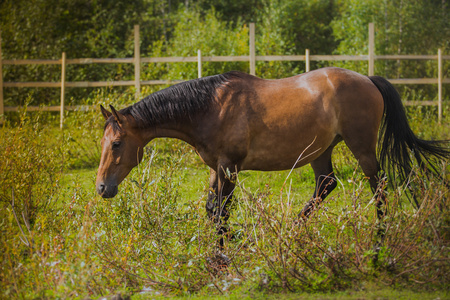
point(397, 141)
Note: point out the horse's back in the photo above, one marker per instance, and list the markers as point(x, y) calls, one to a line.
point(273, 122)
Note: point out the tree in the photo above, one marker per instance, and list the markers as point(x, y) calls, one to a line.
point(194, 30)
point(43, 29)
point(104, 28)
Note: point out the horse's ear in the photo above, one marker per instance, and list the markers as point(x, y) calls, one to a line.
point(106, 114)
point(117, 115)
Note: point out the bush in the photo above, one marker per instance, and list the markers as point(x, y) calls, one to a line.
point(60, 239)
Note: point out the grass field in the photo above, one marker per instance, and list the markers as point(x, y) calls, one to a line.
point(61, 240)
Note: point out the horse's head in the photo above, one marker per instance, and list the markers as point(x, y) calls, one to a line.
point(122, 150)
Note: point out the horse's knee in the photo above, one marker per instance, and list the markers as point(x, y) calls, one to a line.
point(211, 204)
point(219, 213)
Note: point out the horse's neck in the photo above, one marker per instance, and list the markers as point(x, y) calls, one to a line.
point(182, 131)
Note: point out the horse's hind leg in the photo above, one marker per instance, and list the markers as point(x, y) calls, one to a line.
point(366, 156)
point(325, 182)
point(367, 159)
point(371, 169)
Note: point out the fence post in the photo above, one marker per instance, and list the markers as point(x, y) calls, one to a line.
point(63, 88)
point(307, 60)
point(439, 85)
point(1, 82)
point(371, 49)
point(199, 62)
point(137, 63)
point(252, 50)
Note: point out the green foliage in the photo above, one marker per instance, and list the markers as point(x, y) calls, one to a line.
point(401, 27)
point(289, 28)
point(154, 237)
point(30, 169)
point(61, 240)
point(199, 30)
point(270, 40)
point(44, 29)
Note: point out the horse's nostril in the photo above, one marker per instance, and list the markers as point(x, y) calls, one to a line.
point(101, 188)
point(106, 191)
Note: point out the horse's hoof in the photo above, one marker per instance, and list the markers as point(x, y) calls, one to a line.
point(218, 263)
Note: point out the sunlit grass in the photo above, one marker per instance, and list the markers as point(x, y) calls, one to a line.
point(154, 235)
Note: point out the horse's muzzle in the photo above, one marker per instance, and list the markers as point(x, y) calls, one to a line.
point(107, 191)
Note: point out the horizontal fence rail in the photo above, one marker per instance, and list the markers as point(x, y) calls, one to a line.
point(251, 58)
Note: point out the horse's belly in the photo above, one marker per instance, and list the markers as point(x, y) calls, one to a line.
point(274, 153)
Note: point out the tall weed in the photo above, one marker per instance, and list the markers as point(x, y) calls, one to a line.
point(154, 237)
point(29, 194)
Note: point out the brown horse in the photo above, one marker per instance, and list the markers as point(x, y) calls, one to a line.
point(238, 122)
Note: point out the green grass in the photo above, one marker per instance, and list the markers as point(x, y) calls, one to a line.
point(370, 293)
point(68, 242)
point(81, 178)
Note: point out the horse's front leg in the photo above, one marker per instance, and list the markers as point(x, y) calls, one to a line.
point(222, 184)
point(212, 194)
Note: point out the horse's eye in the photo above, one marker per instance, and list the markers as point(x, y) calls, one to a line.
point(115, 145)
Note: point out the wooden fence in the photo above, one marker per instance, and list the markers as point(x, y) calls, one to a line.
point(137, 60)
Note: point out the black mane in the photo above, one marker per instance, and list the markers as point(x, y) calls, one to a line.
point(179, 101)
